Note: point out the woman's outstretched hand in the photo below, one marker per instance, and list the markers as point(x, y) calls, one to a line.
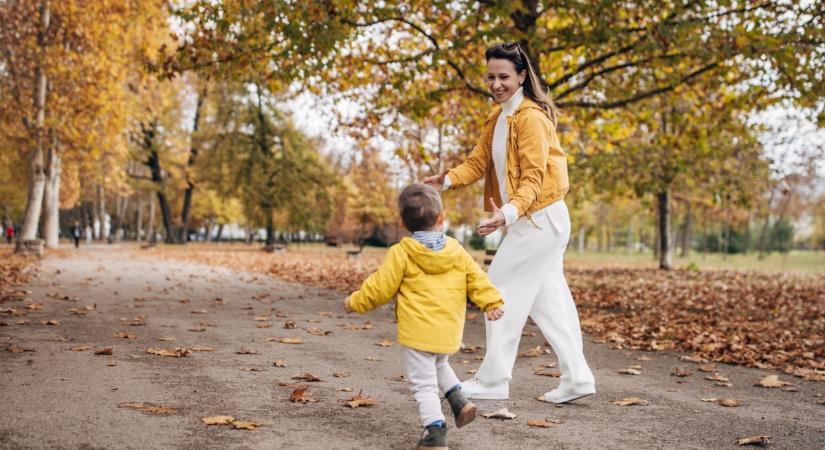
point(492, 224)
point(436, 181)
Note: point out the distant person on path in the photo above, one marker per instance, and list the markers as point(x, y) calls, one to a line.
point(77, 233)
point(525, 172)
point(433, 276)
point(9, 233)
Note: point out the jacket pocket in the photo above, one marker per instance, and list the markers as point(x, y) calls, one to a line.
point(558, 217)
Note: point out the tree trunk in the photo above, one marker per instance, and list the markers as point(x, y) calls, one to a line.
point(37, 176)
point(220, 232)
point(101, 211)
point(150, 229)
point(686, 233)
point(665, 257)
point(581, 238)
point(190, 185)
point(153, 162)
point(270, 230)
point(139, 217)
point(120, 211)
point(51, 200)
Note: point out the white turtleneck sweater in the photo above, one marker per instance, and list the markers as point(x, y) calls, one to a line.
point(500, 135)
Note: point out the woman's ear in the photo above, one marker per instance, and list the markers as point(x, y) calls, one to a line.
point(522, 76)
point(440, 219)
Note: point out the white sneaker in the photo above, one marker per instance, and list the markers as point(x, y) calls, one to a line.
point(567, 395)
point(475, 389)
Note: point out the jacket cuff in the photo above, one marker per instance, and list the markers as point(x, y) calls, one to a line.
point(510, 214)
point(447, 183)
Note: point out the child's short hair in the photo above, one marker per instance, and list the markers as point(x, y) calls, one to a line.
point(420, 206)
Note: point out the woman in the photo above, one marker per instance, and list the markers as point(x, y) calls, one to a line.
point(525, 170)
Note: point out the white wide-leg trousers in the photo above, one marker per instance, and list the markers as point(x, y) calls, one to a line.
point(528, 271)
point(427, 372)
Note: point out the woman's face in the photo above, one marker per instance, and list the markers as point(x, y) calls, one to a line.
point(502, 79)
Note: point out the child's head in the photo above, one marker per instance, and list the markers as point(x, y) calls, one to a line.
point(420, 207)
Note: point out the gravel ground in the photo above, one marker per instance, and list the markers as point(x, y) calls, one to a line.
point(52, 397)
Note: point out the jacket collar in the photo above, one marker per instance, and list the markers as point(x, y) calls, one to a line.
point(527, 103)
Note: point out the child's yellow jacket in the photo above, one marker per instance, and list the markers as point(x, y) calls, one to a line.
point(432, 290)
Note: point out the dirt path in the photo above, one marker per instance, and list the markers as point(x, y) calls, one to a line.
point(56, 398)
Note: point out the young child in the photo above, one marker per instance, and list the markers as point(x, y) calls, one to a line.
point(433, 276)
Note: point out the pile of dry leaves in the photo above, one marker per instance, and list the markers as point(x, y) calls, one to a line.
point(758, 319)
point(13, 274)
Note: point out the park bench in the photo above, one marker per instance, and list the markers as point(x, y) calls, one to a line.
point(354, 254)
point(275, 248)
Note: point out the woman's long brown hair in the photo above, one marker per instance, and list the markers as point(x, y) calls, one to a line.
point(533, 89)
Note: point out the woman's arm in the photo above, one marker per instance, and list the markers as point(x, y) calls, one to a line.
point(533, 141)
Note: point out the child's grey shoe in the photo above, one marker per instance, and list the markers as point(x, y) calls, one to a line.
point(434, 438)
point(463, 410)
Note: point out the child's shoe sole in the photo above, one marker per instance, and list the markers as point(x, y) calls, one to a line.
point(467, 415)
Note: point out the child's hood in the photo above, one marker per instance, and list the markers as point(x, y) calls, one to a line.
point(431, 261)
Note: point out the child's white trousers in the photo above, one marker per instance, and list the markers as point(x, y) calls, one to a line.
point(527, 270)
point(427, 372)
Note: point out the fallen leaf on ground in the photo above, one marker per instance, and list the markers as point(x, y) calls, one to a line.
point(261, 318)
point(199, 311)
point(678, 372)
point(125, 335)
point(246, 351)
point(629, 371)
point(251, 369)
point(628, 401)
point(548, 373)
point(502, 413)
point(401, 377)
point(279, 363)
point(15, 349)
point(104, 351)
point(532, 353)
point(245, 425)
point(149, 408)
point(694, 359)
point(359, 400)
point(718, 377)
point(34, 306)
point(176, 353)
point(202, 349)
point(318, 332)
point(81, 348)
point(772, 381)
point(299, 395)
point(263, 325)
point(50, 322)
point(165, 339)
point(306, 377)
point(289, 324)
point(384, 343)
point(470, 349)
point(344, 389)
point(707, 368)
point(528, 334)
point(372, 358)
point(340, 374)
point(218, 420)
point(543, 423)
point(729, 402)
point(291, 340)
point(754, 440)
point(197, 329)
point(644, 358)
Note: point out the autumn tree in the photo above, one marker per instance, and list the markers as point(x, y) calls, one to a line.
point(63, 66)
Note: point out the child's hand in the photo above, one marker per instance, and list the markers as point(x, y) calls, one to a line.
point(495, 314)
point(347, 307)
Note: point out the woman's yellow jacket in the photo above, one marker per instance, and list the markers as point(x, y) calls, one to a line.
point(536, 164)
point(432, 289)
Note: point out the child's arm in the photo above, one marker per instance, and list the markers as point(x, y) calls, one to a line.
point(481, 291)
point(381, 286)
